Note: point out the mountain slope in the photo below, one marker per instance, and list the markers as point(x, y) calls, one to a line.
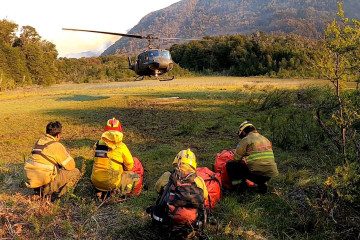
point(197, 18)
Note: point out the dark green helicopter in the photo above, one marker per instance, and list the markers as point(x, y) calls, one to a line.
point(152, 62)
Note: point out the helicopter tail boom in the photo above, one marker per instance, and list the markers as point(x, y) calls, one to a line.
point(130, 64)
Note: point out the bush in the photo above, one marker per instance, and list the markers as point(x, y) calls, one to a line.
point(346, 182)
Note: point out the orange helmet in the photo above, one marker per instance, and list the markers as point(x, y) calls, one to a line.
point(113, 124)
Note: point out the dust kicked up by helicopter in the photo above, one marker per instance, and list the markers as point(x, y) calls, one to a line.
point(151, 62)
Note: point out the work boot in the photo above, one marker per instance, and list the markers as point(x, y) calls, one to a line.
point(241, 188)
point(263, 188)
point(37, 191)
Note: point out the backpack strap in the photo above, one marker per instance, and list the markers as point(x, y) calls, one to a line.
point(212, 177)
point(39, 148)
point(101, 150)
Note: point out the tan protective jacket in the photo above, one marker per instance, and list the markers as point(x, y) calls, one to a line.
point(47, 155)
point(107, 168)
point(258, 153)
point(164, 179)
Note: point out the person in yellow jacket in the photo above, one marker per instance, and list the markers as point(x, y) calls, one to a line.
point(113, 162)
point(182, 196)
point(253, 159)
point(185, 160)
point(50, 167)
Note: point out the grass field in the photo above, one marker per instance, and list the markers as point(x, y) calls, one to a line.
point(159, 119)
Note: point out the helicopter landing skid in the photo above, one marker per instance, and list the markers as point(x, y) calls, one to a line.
point(168, 79)
point(139, 78)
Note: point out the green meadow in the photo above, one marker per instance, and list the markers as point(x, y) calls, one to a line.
point(159, 119)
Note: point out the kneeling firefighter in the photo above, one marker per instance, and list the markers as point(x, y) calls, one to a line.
point(113, 162)
point(253, 159)
point(182, 193)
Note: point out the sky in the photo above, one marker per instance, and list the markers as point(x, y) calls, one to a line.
point(48, 17)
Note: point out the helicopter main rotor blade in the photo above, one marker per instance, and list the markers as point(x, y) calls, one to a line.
point(110, 33)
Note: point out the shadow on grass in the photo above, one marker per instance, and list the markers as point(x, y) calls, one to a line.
point(78, 143)
point(161, 125)
point(82, 98)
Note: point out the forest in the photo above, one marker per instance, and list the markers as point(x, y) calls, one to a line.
point(259, 54)
point(28, 60)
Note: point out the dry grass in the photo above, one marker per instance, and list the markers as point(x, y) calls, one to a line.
point(159, 119)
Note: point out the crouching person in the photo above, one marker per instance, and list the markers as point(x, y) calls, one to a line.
point(253, 159)
point(180, 205)
point(51, 169)
point(113, 163)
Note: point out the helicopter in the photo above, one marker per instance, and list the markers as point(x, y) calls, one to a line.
point(151, 62)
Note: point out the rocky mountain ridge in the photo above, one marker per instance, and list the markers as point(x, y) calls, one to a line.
point(197, 18)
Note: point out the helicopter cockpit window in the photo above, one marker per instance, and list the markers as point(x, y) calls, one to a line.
point(165, 54)
point(153, 54)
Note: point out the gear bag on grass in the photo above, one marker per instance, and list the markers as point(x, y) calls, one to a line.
point(220, 167)
point(213, 185)
point(138, 168)
point(181, 203)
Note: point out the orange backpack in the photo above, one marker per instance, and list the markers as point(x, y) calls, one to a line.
point(213, 185)
point(220, 167)
point(180, 205)
point(138, 168)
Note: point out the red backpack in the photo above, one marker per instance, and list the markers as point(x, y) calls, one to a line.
point(138, 168)
point(220, 167)
point(213, 185)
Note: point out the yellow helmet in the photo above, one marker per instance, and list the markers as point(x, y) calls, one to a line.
point(187, 157)
point(243, 126)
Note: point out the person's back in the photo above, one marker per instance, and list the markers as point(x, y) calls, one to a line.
point(164, 179)
point(50, 166)
point(113, 161)
point(258, 153)
point(181, 195)
point(111, 157)
point(253, 159)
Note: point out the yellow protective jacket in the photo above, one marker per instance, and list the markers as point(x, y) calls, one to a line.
point(164, 179)
point(47, 155)
point(258, 153)
point(112, 157)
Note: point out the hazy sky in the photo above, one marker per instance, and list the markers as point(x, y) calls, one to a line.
point(49, 16)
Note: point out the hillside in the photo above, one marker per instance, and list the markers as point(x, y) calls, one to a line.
point(196, 18)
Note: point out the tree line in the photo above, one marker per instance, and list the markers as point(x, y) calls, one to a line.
point(274, 55)
point(26, 59)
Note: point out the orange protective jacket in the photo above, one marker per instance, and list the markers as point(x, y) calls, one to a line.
point(112, 157)
point(47, 156)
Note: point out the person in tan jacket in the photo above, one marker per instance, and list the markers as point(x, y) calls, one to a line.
point(50, 167)
point(253, 159)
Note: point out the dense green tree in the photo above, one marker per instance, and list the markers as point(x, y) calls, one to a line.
point(339, 63)
point(7, 32)
point(244, 55)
